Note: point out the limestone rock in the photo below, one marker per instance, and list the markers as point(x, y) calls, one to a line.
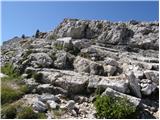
point(111, 92)
point(147, 87)
point(134, 86)
point(117, 83)
point(40, 60)
point(39, 106)
point(152, 75)
point(63, 60)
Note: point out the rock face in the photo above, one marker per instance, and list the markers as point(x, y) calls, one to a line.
point(78, 57)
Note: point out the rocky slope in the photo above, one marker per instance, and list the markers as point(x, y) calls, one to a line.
point(79, 56)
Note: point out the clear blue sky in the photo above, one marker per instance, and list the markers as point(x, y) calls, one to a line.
point(26, 17)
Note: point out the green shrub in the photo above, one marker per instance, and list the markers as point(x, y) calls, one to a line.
point(9, 93)
point(58, 46)
point(113, 107)
point(42, 116)
point(9, 70)
point(26, 113)
point(8, 112)
point(16, 110)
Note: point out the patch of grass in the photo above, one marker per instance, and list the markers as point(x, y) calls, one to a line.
point(26, 113)
point(58, 46)
point(16, 110)
point(42, 116)
point(9, 70)
point(8, 112)
point(58, 113)
point(11, 91)
point(113, 107)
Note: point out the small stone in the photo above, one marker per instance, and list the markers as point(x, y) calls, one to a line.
point(52, 104)
point(39, 106)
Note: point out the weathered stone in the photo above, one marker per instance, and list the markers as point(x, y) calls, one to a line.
point(109, 70)
point(147, 87)
point(31, 84)
point(81, 65)
point(96, 69)
point(63, 60)
point(133, 84)
point(40, 60)
point(72, 82)
point(111, 92)
point(152, 75)
point(45, 88)
point(85, 65)
point(52, 104)
point(111, 62)
point(46, 97)
point(93, 81)
point(70, 105)
point(39, 106)
point(118, 83)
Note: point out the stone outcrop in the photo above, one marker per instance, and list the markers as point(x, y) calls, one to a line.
point(64, 67)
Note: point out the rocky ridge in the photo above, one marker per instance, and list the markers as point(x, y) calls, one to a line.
point(79, 56)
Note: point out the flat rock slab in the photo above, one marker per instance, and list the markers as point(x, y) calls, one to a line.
point(70, 81)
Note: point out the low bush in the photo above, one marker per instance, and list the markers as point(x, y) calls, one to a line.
point(26, 113)
point(113, 107)
point(9, 70)
point(58, 47)
point(8, 112)
point(10, 94)
point(16, 110)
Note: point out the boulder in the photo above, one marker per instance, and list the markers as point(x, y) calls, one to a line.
point(110, 61)
point(109, 70)
point(96, 69)
point(52, 104)
point(63, 60)
point(31, 84)
point(46, 97)
point(70, 105)
point(93, 81)
point(63, 43)
point(118, 83)
point(152, 75)
point(147, 87)
point(45, 88)
point(110, 92)
point(40, 60)
point(85, 65)
point(39, 106)
point(81, 65)
point(48, 88)
point(133, 84)
point(72, 82)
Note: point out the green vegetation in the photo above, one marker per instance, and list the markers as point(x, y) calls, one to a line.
point(9, 70)
point(8, 112)
point(11, 88)
point(26, 113)
point(113, 108)
point(58, 47)
point(11, 91)
point(12, 111)
point(58, 113)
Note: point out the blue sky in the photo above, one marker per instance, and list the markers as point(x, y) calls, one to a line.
point(26, 17)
